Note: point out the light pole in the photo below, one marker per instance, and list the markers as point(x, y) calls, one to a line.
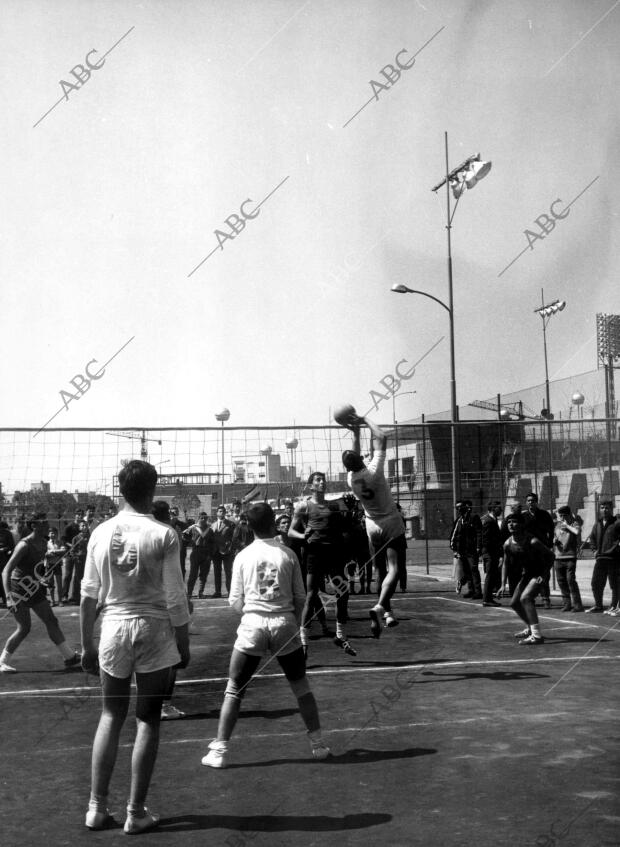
point(394, 396)
point(578, 400)
point(222, 416)
point(466, 175)
point(291, 446)
point(546, 310)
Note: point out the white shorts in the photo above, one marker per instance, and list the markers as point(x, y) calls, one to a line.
point(142, 645)
point(261, 634)
point(382, 530)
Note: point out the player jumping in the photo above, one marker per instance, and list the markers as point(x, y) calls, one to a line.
point(383, 521)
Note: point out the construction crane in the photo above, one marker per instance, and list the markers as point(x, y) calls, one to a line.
point(143, 439)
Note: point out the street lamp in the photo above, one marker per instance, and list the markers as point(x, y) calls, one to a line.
point(578, 400)
point(292, 446)
point(222, 416)
point(394, 396)
point(465, 175)
point(546, 311)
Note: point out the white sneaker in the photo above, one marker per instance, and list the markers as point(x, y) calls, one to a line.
point(96, 819)
point(217, 756)
point(320, 750)
point(134, 825)
point(4, 668)
point(390, 620)
point(170, 712)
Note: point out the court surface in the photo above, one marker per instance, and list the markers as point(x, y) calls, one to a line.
point(443, 732)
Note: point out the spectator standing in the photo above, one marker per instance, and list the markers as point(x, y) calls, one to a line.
point(466, 541)
point(202, 539)
point(68, 563)
point(53, 565)
point(605, 540)
point(566, 543)
point(491, 547)
point(223, 529)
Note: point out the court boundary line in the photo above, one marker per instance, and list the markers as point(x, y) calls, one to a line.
point(526, 660)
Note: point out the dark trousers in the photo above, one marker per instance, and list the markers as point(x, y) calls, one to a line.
point(492, 576)
point(72, 567)
point(469, 574)
point(605, 569)
point(219, 560)
point(199, 567)
point(565, 570)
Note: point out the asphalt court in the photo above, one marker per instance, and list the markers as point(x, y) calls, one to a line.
point(445, 731)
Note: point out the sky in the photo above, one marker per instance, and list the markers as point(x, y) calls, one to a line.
point(201, 110)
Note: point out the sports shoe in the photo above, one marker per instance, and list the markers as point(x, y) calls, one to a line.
point(217, 756)
point(566, 608)
point(76, 659)
point(391, 621)
point(578, 608)
point(524, 633)
point(4, 668)
point(96, 819)
point(320, 750)
point(610, 610)
point(532, 639)
point(595, 609)
point(375, 623)
point(615, 613)
point(342, 642)
point(134, 824)
point(491, 603)
point(170, 712)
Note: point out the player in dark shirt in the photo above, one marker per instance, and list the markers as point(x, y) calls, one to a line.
point(321, 523)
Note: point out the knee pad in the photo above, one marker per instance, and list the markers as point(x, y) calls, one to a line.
point(300, 686)
point(233, 689)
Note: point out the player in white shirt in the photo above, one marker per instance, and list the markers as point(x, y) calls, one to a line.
point(384, 523)
point(268, 592)
point(132, 573)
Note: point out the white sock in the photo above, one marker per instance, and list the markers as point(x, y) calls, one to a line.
point(98, 802)
point(5, 656)
point(535, 628)
point(65, 650)
point(340, 631)
point(303, 634)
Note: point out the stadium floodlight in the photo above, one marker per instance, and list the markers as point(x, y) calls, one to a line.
point(608, 336)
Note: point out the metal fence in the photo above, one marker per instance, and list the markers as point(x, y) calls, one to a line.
point(565, 462)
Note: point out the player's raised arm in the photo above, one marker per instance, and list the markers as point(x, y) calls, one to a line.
point(379, 436)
